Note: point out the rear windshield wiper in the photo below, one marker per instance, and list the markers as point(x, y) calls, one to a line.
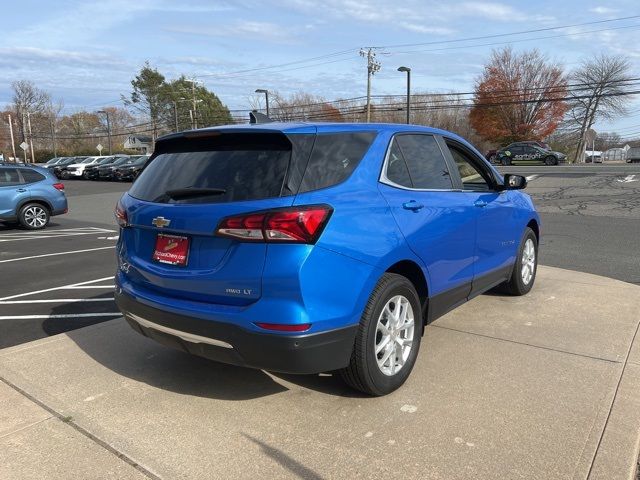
point(191, 192)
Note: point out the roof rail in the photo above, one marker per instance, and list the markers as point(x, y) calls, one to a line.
point(257, 117)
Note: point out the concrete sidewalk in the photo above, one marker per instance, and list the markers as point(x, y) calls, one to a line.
point(542, 387)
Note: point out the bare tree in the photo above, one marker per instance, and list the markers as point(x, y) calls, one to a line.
point(599, 87)
point(28, 100)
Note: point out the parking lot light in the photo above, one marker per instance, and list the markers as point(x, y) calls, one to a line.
point(408, 70)
point(266, 95)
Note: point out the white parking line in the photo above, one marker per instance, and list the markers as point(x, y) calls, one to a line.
point(68, 232)
point(62, 287)
point(55, 254)
point(531, 177)
point(86, 287)
point(62, 315)
point(57, 300)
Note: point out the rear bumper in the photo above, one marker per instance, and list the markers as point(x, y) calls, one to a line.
point(228, 343)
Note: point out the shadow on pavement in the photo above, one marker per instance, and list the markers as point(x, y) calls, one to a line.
point(285, 460)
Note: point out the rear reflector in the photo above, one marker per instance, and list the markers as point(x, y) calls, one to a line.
point(279, 327)
point(289, 225)
point(59, 186)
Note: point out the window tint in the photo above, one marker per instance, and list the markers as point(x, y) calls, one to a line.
point(427, 166)
point(31, 176)
point(9, 176)
point(397, 170)
point(473, 178)
point(334, 157)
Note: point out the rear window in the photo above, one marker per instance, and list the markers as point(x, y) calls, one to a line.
point(31, 176)
point(249, 166)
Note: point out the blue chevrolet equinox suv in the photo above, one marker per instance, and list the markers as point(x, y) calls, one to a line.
point(308, 248)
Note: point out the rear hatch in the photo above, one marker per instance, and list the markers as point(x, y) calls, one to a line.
point(188, 187)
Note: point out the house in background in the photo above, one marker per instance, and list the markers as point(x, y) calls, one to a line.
point(143, 143)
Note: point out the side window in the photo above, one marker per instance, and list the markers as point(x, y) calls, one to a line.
point(473, 178)
point(31, 176)
point(397, 170)
point(334, 157)
point(427, 166)
point(8, 177)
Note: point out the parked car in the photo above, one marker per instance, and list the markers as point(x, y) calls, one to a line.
point(130, 170)
point(529, 154)
point(633, 155)
point(91, 171)
point(30, 195)
point(105, 172)
point(60, 167)
point(52, 162)
point(307, 248)
point(76, 170)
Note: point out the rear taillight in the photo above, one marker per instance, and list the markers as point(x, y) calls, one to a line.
point(121, 215)
point(59, 186)
point(289, 225)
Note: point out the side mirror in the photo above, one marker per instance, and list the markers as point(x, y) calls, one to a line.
point(514, 182)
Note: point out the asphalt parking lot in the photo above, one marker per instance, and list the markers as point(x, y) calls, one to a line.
point(61, 279)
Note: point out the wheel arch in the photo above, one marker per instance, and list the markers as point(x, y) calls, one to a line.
point(533, 225)
point(415, 274)
point(37, 200)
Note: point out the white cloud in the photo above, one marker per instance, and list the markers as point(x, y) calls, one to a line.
point(603, 10)
point(246, 29)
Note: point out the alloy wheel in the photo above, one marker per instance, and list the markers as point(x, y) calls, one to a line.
point(35, 216)
point(394, 335)
point(528, 261)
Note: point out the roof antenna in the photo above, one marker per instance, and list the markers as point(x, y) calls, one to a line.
point(257, 117)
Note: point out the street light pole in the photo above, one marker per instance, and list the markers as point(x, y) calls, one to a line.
point(408, 70)
point(108, 127)
point(266, 97)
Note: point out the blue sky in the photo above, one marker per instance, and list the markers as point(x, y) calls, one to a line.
point(87, 52)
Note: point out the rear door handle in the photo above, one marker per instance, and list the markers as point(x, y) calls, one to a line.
point(480, 203)
point(412, 205)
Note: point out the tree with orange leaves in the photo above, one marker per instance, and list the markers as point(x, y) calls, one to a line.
point(518, 97)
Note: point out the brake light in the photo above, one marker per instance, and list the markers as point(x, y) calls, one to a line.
point(121, 215)
point(289, 225)
point(59, 186)
point(279, 327)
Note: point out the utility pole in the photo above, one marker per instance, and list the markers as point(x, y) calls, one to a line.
point(195, 102)
point(53, 136)
point(106, 114)
point(373, 66)
point(33, 160)
point(13, 144)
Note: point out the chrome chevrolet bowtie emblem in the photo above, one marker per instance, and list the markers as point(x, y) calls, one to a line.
point(161, 222)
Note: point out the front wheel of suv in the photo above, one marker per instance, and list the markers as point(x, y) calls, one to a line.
point(525, 268)
point(388, 338)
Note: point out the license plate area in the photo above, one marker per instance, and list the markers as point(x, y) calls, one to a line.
point(171, 249)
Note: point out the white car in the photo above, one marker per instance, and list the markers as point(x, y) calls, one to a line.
point(77, 169)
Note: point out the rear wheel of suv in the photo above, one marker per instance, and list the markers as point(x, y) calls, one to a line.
point(388, 338)
point(33, 216)
point(525, 268)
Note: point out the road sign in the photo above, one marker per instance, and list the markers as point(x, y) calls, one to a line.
point(24, 146)
point(99, 147)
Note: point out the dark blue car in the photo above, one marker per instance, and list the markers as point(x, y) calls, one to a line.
point(30, 195)
point(306, 248)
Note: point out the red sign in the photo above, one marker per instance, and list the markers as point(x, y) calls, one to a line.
point(171, 249)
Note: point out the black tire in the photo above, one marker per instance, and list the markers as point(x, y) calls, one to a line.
point(363, 372)
point(34, 216)
point(505, 161)
point(516, 284)
point(550, 160)
point(493, 158)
